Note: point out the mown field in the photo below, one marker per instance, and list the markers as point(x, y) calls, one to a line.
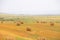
point(30, 28)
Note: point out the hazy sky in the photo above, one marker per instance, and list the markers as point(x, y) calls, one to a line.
point(30, 6)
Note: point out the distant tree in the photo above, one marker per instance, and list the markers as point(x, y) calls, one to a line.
point(2, 19)
point(11, 19)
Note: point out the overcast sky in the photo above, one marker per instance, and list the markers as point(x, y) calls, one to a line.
point(30, 6)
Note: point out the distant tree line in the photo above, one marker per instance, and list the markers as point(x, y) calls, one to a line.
point(9, 19)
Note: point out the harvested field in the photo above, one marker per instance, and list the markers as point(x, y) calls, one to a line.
point(30, 28)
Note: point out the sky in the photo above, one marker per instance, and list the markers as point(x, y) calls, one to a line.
point(30, 7)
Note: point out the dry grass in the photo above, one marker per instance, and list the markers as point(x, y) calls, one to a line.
point(37, 31)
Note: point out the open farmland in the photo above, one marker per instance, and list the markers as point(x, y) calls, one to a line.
point(14, 27)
